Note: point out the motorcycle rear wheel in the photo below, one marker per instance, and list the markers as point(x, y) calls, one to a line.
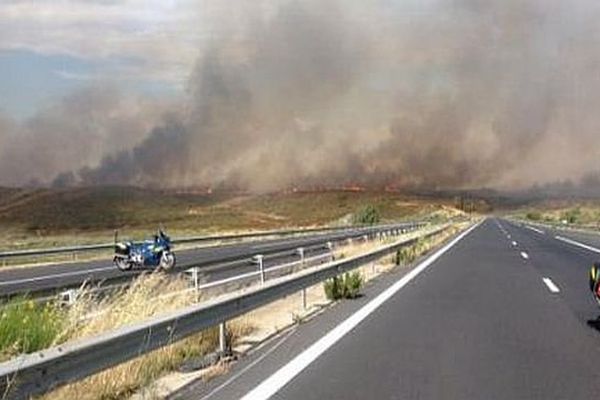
point(167, 261)
point(122, 264)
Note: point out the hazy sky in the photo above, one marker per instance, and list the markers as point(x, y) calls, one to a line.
point(268, 94)
point(48, 48)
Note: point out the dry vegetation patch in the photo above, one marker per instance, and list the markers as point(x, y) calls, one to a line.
point(141, 301)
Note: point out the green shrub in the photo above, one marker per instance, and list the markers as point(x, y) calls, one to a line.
point(347, 286)
point(572, 216)
point(332, 288)
point(367, 216)
point(406, 255)
point(27, 326)
point(353, 282)
point(534, 215)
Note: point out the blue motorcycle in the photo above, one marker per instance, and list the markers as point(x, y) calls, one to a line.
point(155, 253)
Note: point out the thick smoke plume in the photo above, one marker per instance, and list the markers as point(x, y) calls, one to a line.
point(454, 93)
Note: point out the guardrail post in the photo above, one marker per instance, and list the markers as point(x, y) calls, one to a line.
point(222, 338)
point(69, 296)
point(330, 247)
point(261, 267)
point(196, 281)
point(301, 253)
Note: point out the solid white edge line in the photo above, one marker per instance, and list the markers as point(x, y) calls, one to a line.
point(285, 374)
point(524, 255)
point(551, 286)
point(54, 276)
point(574, 243)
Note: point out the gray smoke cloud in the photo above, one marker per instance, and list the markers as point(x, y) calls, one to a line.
point(437, 93)
point(73, 134)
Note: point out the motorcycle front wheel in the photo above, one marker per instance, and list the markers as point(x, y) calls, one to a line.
point(167, 261)
point(122, 263)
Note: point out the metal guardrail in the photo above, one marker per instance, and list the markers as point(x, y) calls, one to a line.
point(39, 372)
point(591, 229)
point(272, 250)
point(192, 239)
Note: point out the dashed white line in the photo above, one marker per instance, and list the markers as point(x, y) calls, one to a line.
point(551, 286)
point(541, 232)
point(524, 255)
point(574, 243)
point(279, 379)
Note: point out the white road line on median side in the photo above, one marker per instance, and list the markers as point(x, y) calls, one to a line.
point(574, 243)
point(249, 366)
point(551, 286)
point(279, 379)
point(54, 276)
point(541, 232)
point(524, 255)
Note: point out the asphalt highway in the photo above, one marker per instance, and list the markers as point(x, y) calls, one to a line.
point(503, 312)
point(233, 258)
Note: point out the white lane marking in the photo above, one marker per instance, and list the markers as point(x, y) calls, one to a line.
point(508, 236)
point(61, 275)
point(267, 245)
point(524, 255)
point(541, 232)
point(248, 367)
point(551, 286)
point(514, 243)
point(285, 374)
point(574, 243)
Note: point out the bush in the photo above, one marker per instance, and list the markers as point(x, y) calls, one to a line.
point(347, 286)
point(27, 326)
point(367, 216)
point(534, 216)
point(353, 282)
point(572, 216)
point(406, 255)
point(332, 288)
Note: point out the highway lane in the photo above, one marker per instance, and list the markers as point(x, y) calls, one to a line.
point(567, 265)
point(48, 277)
point(586, 237)
point(481, 322)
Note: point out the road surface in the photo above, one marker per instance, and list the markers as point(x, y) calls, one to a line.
point(236, 257)
point(503, 313)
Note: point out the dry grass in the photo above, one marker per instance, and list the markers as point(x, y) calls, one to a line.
point(278, 315)
point(48, 218)
point(140, 302)
point(89, 317)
